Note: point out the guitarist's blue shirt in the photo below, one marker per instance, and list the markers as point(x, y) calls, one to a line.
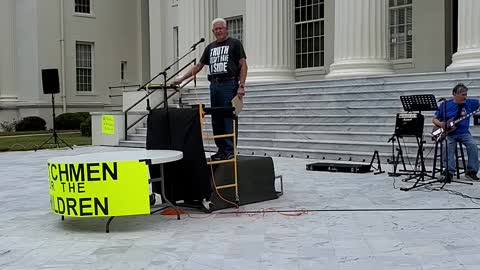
point(469, 106)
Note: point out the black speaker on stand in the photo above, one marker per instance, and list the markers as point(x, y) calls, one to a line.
point(51, 85)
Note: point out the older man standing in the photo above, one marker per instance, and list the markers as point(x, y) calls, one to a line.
point(227, 73)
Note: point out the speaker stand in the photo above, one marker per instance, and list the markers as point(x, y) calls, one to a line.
point(54, 136)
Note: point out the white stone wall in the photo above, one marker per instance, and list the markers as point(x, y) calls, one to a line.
point(467, 56)
point(357, 46)
point(356, 39)
point(31, 41)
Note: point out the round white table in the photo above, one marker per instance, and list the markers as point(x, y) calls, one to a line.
point(150, 157)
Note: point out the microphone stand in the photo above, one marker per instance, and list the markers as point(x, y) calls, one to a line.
point(193, 48)
point(165, 88)
point(444, 105)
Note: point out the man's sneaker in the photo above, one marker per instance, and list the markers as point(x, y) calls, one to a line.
point(228, 156)
point(218, 156)
point(472, 176)
point(447, 178)
point(155, 198)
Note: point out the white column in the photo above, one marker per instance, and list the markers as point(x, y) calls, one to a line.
point(269, 40)
point(195, 17)
point(360, 39)
point(157, 51)
point(467, 56)
point(7, 51)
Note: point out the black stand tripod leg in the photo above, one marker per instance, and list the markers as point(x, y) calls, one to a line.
point(379, 166)
point(416, 185)
point(455, 181)
point(54, 135)
point(400, 155)
point(397, 160)
point(56, 138)
point(64, 142)
point(107, 225)
point(45, 142)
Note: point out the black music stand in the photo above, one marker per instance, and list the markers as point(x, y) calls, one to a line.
point(419, 103)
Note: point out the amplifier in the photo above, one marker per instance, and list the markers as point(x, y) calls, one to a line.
point(409, 124)
point(346, 167)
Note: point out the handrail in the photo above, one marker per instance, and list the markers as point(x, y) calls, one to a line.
point(123, 86)
point(150, 92)
point(145, 115)
point(158, 105)
point(165, 87)
point(144, 86)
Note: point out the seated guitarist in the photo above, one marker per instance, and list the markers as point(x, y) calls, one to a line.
point(456, 108)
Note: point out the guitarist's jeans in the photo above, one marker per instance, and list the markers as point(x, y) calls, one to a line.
point(472, 151)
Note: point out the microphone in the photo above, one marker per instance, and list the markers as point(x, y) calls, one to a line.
point(200, 41)
point(442, 99)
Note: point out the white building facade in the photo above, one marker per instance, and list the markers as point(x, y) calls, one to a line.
point(101, 43)
point(315, 39)
point(94, 45)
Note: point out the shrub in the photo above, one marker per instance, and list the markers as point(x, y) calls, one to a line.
point(86, 127)
point(31, 123)
point(6, 126)
point(68, 121)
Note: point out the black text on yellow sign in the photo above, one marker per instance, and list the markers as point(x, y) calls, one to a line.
point(99, 188)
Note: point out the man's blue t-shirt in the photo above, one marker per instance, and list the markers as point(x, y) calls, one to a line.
point(453, 109)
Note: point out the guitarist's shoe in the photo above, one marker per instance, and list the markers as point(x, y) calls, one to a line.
point(472, 176)
point(447, 178)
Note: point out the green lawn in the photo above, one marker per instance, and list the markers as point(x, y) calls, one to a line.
point(28, 141)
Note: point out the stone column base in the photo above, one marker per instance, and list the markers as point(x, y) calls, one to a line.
point(270, 75)
point(8, 99)
point(360, 68)
point(465, 60)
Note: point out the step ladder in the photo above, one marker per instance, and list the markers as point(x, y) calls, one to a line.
point(203, 112)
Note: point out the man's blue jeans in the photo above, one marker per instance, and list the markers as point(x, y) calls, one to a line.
point(221, 95)
point(472, 152)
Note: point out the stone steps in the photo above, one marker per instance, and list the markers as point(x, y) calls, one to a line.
point(363, 86)
point(316, 100)
point(346, 119)
point(309, 119)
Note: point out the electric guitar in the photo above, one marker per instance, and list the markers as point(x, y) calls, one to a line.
point(439, 134)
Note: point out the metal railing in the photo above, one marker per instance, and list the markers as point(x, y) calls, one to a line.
point(121, 86)
point(116, 92)
point(152, 88)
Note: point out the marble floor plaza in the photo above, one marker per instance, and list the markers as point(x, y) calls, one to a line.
point(357, 221)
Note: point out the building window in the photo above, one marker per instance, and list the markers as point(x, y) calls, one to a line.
point(83, 6)
point(400, 29)
point(123, 71)
point(84, 66)
point(309, 33)
point(235, 27)
point(175, 48)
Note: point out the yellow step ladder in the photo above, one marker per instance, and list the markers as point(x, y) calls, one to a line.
point(233, 160)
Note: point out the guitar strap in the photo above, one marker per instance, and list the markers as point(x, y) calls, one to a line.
point(459, 112)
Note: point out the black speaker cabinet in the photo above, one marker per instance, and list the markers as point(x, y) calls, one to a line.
point(409, 124)
point(256, 181)
point(50, 81)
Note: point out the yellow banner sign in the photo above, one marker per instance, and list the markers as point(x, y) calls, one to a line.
point(108, 124)
point(99, 189)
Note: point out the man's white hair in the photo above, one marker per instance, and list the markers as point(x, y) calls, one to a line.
point(219, 20)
